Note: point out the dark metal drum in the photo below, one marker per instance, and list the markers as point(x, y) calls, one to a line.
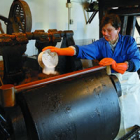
point(76, 108)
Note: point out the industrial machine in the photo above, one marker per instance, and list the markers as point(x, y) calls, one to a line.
point(76, 104)
point(13, 45)
point(73, 106)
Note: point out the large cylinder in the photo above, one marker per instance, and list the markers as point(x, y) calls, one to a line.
point(79, 108)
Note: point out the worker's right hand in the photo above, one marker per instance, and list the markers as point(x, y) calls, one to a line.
point(61, 51)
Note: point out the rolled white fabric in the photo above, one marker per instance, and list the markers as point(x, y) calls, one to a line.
point(48, 61)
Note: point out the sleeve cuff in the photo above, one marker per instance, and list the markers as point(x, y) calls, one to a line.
point(77, 50)
point(131, 66)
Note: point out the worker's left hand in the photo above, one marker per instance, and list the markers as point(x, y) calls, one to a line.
point(107, 62)
point(119, 67)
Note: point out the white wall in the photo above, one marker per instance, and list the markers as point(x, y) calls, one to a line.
point(53, 14)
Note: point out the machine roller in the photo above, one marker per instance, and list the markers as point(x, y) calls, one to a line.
point(79, 105)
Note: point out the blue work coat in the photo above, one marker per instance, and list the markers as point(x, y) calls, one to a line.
point(126, 50)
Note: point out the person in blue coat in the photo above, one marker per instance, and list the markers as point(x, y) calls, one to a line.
point(122, 49)
point(121, 53)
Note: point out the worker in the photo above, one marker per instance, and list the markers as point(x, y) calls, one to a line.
point(122, 55)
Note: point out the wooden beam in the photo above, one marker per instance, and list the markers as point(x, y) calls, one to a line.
point(138, 27)
point(124, 20)
point(131, 25)
point(113, 3)
point(129, 11)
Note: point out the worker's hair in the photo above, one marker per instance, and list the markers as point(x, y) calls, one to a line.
point(113, 19)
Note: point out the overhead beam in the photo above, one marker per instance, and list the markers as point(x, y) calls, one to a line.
point(110, 3)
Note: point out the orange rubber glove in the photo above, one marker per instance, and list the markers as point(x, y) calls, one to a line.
point(119, 67)
point(61, 51)
point(107, 62)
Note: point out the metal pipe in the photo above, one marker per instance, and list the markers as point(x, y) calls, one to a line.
point(69, 12)
point(7, 95)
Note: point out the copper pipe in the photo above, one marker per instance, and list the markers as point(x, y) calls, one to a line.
point(55, 79)
point(7, 94)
